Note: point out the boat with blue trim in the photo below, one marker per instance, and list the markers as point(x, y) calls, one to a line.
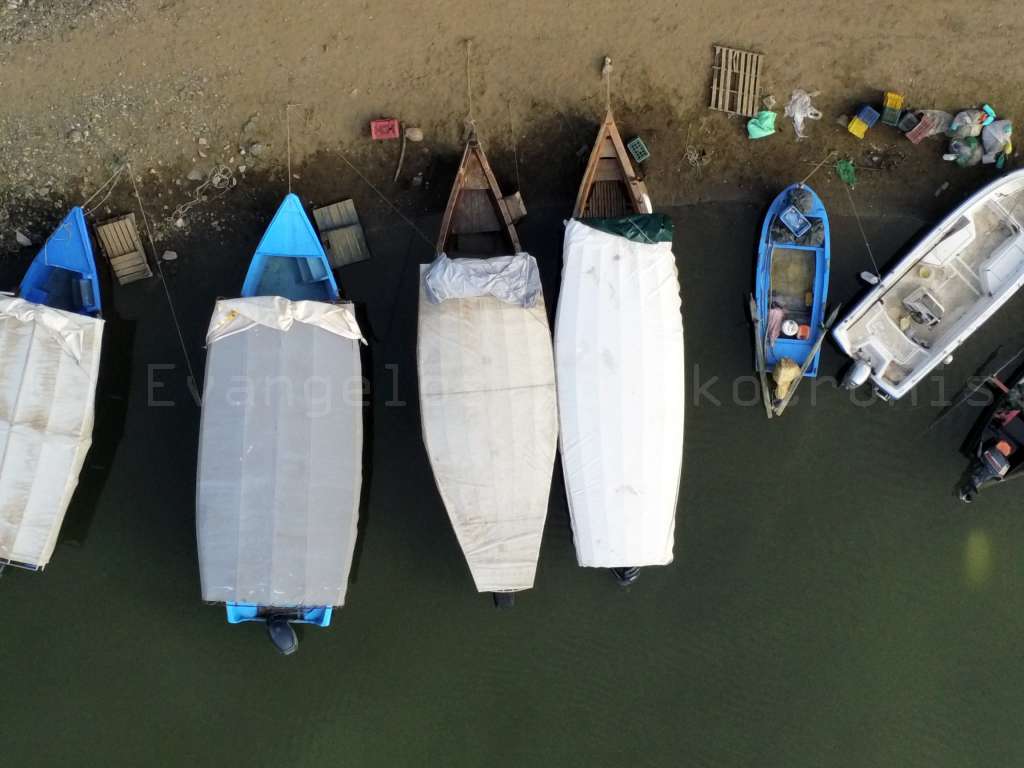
point(280, 457)
point(791, 287)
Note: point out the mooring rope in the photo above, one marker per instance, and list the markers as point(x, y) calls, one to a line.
point(470, 118)
point(606, 75)
point(288, 140)
point(814, 170)
point(193, 384)
point(387, 202)
point(862, 233)
point(113, 177)
point(515, 146)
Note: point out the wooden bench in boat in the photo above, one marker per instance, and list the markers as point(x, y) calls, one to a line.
point(119, 240)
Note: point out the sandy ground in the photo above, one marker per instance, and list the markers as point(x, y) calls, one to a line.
point(178, 86)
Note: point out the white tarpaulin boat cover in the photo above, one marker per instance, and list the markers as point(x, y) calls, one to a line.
point(619, 361)
point(49, 365)
point(487, 399)
point(280, 453)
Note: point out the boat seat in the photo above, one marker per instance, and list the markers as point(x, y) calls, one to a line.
point(312, 269)
point(1002, 265)
point(36, 295)
point(84, 296)
point(953, 243)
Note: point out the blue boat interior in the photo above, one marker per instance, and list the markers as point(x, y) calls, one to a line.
point(319, 616)
point(289, 260)
point(63, 273)
point(792, 275)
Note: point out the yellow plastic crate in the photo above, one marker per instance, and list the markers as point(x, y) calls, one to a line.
point(892, 100)
point(857, 127)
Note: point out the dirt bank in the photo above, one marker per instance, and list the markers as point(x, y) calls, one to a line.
point(178, 87)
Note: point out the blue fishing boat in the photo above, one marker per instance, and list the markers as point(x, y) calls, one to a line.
point(279, 481)
point(792, 279)
point(290, 261)
point(63, 273)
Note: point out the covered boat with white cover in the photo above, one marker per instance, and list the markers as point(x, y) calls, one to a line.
point(280, 455)
point(281, 438)
point(49, 366)
point(619, 367)
point(487, 399)
point(50, 341)
point(939, 293)
point(487, 384)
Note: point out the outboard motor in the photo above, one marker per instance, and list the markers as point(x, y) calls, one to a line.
point(282, 635)
point(626, 576)
point(991, 467)
point(504, 599)
point(858, 374)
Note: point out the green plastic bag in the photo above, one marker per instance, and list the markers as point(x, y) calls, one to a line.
point(762, 125)
point(846, 173)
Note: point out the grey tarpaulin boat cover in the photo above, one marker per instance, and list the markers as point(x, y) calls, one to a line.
point(49, 365)
point(487, 399)
point(280, 453)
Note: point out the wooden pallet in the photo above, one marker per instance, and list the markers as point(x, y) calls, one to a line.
point(341, 233)
point(736, 81)
point(120, 243)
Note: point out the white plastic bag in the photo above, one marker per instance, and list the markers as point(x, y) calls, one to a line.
point(800, 108)
point(995, 138)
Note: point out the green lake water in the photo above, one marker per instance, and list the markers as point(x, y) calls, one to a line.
point(831, 602)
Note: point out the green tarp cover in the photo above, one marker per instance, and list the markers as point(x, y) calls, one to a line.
point(640, 228)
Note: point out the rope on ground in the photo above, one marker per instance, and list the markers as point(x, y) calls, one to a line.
point(387, 202)
point(109, 185)
point(221, 178)
point(193, 385)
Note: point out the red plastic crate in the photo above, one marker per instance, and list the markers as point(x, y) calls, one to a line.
point(384, 129)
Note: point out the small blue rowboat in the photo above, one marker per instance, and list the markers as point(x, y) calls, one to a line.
point(290, 261)
point(63, 273)
point(792, 277)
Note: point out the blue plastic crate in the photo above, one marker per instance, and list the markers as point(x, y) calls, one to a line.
point(795, 221)
point(869, 115)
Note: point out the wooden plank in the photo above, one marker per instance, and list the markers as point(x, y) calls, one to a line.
point(748, 82)
point(727, 78)
point(475, 213)
point(757, 80)
point(347, 245)
point(714, 79)
point(341, 233)
point(120, 243)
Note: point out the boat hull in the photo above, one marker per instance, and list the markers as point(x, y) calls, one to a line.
point(621, 381)
point(280, 454)
point(50, 363)
point(786, 272)
point(63, 273)
point(965, 269)
point(290, 260)
point(487, 406)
